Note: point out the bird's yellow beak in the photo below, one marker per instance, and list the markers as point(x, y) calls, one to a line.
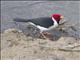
point(62, 17)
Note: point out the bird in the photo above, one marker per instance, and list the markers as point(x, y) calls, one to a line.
point(44, 23)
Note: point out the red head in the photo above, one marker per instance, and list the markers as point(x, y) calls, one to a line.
point(57, 17)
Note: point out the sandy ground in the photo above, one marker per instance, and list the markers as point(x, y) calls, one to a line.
point(16, 45)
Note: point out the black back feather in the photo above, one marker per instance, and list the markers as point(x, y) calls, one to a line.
point(42, 21)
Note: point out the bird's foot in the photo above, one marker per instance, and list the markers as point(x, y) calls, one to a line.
point(47, 35)
point(42, 36)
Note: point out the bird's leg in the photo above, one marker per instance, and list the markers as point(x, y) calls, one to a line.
point(42, 35)
point(47, 35)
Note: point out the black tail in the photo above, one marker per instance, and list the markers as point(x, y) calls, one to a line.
point(20, 20)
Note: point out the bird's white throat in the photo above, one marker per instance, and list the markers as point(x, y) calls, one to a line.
point(55, 24)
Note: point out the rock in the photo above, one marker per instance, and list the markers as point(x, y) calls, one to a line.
point(12, 31)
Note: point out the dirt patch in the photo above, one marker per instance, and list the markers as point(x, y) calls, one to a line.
point(16, 46)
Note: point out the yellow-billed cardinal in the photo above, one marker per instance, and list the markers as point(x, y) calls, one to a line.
point(44, 23)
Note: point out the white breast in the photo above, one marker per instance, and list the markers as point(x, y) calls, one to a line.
point(55, 24)
point(42, 28)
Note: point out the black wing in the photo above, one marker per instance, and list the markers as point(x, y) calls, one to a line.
point(42, 21)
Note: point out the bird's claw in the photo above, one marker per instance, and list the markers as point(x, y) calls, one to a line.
point(46, 35)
